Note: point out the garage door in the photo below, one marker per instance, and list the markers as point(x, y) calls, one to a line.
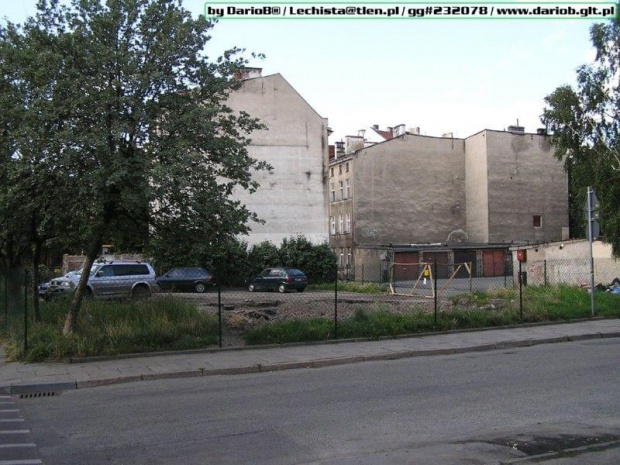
point(493, 262)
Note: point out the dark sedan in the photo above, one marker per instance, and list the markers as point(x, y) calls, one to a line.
point(280, 279)
point(186, 279)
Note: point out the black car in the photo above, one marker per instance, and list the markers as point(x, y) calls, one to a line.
point(280, 279)
point(186, 279)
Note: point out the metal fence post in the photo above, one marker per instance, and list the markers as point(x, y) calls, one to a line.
point(336, 306)
point(520, 291)
point(435, 288)
point(6, 301)
point(219, 309)
point(25, 311)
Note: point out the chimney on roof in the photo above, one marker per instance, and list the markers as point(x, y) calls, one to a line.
point(375, 126)
point(415, 131)
point(516, 129)
point(398, 130)
point(242, 74)
point(449, 135)
point(339, 148)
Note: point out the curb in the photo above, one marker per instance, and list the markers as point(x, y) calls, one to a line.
point(37, 389)
point(100, 358)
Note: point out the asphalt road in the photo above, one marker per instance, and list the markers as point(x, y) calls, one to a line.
point(489, 407)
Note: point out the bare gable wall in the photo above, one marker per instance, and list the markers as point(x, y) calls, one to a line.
point(292, 198)
point(409, 189)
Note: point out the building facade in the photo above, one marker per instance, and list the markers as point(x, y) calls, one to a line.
point(291, 199)
point(469, 199)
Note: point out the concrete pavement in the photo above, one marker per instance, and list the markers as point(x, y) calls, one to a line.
point(39, 379)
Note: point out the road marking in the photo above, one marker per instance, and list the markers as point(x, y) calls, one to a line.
point(17, 445)
point(17, 431)
point(9, 420)
point(9, 410)
point(21, 462)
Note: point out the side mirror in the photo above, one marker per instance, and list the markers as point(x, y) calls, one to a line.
point(99, 274)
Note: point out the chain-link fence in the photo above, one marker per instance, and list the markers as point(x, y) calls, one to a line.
point(280, 304)
point(16, 303)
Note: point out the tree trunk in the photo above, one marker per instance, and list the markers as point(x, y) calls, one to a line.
point(72, 316)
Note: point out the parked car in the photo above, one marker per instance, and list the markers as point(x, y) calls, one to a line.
point(186, 279)
point(73, 276)
point(115, 279)
point(279, 278)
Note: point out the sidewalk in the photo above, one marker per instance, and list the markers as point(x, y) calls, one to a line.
point(47, 378)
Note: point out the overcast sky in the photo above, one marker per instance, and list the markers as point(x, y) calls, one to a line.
point(458, 76)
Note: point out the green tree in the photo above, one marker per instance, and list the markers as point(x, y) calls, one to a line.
point(585, 128)
point(144, 138)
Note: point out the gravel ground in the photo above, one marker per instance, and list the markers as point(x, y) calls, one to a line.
point(243, 311)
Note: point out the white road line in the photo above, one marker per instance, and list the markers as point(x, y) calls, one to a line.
point(17, 445)
point(9, 420)
point(21, 462)
point(17, 431)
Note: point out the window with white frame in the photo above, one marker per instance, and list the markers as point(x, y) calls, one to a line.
point(332, 225)
point(341, 257)
point(347, 223)
point(341, 224)
point(341, 187)
point(347, 189)
point(349, 257)
point(333, 192)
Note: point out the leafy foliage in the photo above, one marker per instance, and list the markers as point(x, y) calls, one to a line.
point(116, 109)
point(585, 129)
point(234, 263)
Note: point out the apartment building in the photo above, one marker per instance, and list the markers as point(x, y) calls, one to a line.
point(292, 197)
point(445, 198)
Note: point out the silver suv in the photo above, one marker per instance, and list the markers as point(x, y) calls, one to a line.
point(115, 279)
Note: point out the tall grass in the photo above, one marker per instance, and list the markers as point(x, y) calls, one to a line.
point(350, 286)
point(469, 311)
point(112, 328)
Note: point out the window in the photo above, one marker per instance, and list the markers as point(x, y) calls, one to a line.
point(348, 189)
point(341, 223)
point(341, 187)
point(349, 258)
point(347, 167)
point(332, 225)
point(339, 169)
point(341, 257)
point(348, 223)
point(332, 172)
point(333, 193)
point(537, 221)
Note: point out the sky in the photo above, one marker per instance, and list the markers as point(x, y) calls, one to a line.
point(443, 76)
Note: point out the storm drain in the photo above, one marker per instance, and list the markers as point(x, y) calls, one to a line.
point(32, 395)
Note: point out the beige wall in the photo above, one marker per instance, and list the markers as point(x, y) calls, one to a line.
point(476, 188)
point(292, 198)
point(524, 179)
point(409, 189)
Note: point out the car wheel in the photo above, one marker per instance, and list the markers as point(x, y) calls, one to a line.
point(251, 288)
point(200, 287)
point(141, 292)
point(300, 290)
point(281, 288)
